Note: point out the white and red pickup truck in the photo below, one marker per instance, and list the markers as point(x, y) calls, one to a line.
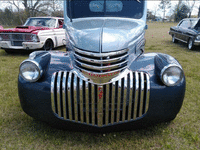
point(37, 33)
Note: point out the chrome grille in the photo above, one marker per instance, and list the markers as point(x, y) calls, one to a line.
point(16, 38)
point(100, 62)
point(76, 100)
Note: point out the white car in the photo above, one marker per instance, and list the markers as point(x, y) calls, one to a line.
point(37, 33)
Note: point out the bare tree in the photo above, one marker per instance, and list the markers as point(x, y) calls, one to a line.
point(191, 6)
point(164, 5)
point(32, 7)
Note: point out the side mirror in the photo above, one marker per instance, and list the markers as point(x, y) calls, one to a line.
point(146, 27)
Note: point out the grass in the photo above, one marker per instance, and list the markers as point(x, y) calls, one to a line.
point(19, 131)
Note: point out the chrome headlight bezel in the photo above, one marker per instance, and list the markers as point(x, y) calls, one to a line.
point(166, 68)
point(34, 38)
point(198, 37)
point(35, 66)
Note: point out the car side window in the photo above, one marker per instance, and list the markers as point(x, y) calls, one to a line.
point(185, 24)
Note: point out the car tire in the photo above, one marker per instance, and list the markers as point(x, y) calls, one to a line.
point(190, 44)
point(173, 39)
point(48, 46)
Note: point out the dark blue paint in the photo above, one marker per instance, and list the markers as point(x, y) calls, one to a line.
point(165, 102)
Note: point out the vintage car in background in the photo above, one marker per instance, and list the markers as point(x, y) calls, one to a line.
point(37, 33)
point(187, 31)
point(104, 82)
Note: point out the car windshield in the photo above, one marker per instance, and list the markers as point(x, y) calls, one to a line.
point(105, 8)
point(193, 23)
point(46, 22)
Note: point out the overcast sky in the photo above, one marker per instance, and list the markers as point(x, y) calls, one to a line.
point(153, 4)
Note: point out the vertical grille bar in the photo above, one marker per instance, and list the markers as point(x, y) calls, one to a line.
point(87, 102)
point(58, 93)
point(113, 102)
point(136, 95)
point(53, 79)
point(100, 105)
point(141, 93)
point(93, 103)
point(64, 95)
point(75, 98)
point(69, 95)
point(126, 98)
point(147, 92)
point(130, 96)
point(81, 99)
point(107, 103)
point(119, 99)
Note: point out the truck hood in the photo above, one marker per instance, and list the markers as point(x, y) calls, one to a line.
point(104, 35)
point(24, 29)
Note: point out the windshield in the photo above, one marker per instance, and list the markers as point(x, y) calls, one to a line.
point(105, 8)
point(45, 22)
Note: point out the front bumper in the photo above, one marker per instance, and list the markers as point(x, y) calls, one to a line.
point(25, 45)
point(164, 104)
point(197, 42)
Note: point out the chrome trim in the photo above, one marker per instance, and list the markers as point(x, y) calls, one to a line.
point(53, 78)
point(77, 100)
point(64, 98)
point(107, 104)
point(165, 68)
point(101, 54)
point(37, 65)
point(136, 95)
point(141, 93)
point(125, 98)
point(92, 63)
point(59, 93)
point(147, 92)
point(93, 103)
point(100, 98)
point(130, 95)
point(114, 89)
point(81, 99)
point(69, 96)
point(180, 40)
point(87, 102)
point(101, 61)
point(101, 68)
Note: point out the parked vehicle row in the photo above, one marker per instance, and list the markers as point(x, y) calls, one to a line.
point(187, 31)
point(37, 33)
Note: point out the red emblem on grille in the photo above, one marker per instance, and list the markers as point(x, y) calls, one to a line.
point(100, 89)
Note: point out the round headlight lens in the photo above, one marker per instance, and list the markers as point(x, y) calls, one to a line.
point(30, 71)
point(172, 75)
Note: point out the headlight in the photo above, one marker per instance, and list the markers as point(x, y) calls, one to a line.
point(171, 75)
point(34, 38)
point(30, 71)
point(198, 37)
